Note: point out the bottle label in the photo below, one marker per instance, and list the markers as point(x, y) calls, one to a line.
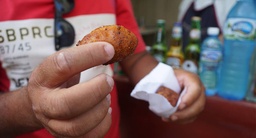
point(176, 32)
point(195, 34)
point(212, 43)
point(240, 29)
point(191, 66)
point(209, 79)
point(159, 57)
point(175, 56)
point(159, 35)
point(174, 62)
point(175, 51)
point(211, 56)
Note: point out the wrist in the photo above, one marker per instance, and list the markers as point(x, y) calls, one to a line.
point(17, 116)
point(34, 122)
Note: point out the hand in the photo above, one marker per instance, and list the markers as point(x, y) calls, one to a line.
point(64, 107)
point(192, 103)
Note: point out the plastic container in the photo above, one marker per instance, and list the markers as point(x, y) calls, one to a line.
point(210, 58)
point(239, 44)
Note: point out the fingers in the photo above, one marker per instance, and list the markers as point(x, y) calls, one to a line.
point(68, 62)
point(76, 110)
point(70, 102)
point(98, 118)
point(193, 85)
point(192, 103)
point(101, 130)
point(190, 113)
point(63, 107)
point(193, 92)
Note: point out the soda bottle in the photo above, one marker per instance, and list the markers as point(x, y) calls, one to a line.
point(159, 48)
point(210, 57)
point(175, 56)
point(239, 44)
point(192, 51)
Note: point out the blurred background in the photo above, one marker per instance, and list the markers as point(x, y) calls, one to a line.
point(216, 39)
point(148, 11)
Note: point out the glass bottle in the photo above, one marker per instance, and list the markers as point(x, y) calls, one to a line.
point(175, 55)
point(192, 51)
point(159, 48)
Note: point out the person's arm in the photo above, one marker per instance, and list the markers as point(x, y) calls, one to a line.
point(141, 63)
point(55, 101)
point(130, 65)
point(138, 65)
point(16, 114)
point(192, 103)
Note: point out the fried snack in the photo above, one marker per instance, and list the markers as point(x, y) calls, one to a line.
point(169, 94)
point(123, 40)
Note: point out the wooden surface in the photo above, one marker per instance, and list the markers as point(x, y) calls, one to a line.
point(220, 119)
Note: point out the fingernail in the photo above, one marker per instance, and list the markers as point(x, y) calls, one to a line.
point(61, 60)
point(174, 118)
point(109, 50)
point(110, 81)
point(182, 106)
point(109, 98)
point(109, 110)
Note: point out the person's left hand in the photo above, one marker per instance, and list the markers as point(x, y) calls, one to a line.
point(193, 102)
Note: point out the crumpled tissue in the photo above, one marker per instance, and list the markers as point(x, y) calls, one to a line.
point(161, 75)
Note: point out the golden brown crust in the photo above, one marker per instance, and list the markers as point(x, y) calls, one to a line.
point(123, 40)
point(169, 94)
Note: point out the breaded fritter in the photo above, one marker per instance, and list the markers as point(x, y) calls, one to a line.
point(123, 40)
point(169, 94)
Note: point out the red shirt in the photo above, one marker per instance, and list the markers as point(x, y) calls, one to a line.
point(26, 38)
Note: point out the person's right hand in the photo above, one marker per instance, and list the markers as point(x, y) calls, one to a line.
point(64, 107)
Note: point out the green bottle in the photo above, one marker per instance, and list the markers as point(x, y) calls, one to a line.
point(159, 48)
point(192, 51)
point(175, 55)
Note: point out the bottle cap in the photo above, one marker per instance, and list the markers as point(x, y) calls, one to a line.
point(213, 31)
point(196, 18)
point(177, 30)
point(177, 24)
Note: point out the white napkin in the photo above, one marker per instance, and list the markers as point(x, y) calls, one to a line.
point(161, 75)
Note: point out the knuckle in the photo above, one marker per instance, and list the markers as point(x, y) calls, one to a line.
point(103, 88)
point(91, 56)
point(70, 130)
point(104, 107)
point(100, 111)
point(101, 56)
point(74, 130)
point(58, 107)
point(62, 63)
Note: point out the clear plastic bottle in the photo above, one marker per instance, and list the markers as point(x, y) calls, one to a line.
point(239, 44)
point(210, 58)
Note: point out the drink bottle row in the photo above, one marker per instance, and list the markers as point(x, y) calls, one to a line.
point(226, 68)
point(202, 59)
